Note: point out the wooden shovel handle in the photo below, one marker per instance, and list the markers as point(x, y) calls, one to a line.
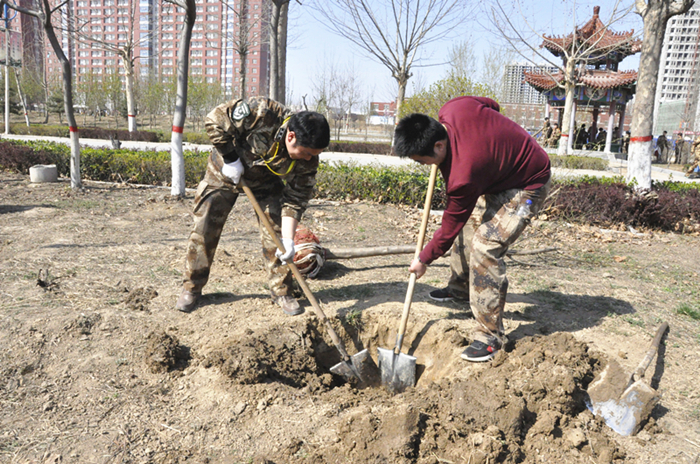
point(639, 373)
point(297, 275)
point(419, 248)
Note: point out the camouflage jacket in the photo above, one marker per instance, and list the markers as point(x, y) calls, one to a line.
point(254, 129)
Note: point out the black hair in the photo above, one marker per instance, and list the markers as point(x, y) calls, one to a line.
point(416, 134)
point(311, 129)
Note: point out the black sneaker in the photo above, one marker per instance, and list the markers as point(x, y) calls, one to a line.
point(444, 294)
point(479, 351)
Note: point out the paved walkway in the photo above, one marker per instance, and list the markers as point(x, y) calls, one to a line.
point(616, 167)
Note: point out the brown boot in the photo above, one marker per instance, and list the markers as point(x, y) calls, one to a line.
point(187, 301)
point(289, 305)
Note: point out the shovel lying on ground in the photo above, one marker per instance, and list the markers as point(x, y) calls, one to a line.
point(398, 370)
point(359, 367)
point(625, 402)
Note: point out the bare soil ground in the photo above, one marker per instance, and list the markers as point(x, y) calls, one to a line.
point(97, 367)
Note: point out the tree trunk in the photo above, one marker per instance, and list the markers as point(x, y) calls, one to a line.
point(570, 86)
point(282, 54)
point(130, 100)
point(274, 48)
point(75, 181)
point(641, 141)
point(21, 98)
point(183, 63)
point(243, 29)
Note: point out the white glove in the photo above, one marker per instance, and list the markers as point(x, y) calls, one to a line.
point(233, 171)
point(288, 254)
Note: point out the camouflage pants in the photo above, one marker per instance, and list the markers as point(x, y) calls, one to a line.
point(212, 204)
point(477, 265)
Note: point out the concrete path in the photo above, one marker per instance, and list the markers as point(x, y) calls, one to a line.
point(616, 167)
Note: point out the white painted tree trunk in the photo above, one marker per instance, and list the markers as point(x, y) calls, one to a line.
point(178, 164)
point(177, 158)
point(130, 99)
point(655, 15)
point(566, 140)
point(75, 181)
point(639, 170)
point(611, 127)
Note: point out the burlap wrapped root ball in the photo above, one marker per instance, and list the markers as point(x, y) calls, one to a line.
point(310, 255)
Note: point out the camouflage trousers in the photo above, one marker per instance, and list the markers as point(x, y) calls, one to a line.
point(476, 263)
point(212, 204)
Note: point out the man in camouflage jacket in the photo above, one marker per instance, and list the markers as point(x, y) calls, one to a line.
point(276, 153)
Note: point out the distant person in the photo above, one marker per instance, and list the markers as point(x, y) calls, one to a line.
point(497, 177)
point(662, 145)
point(678, 150)
point(600, 139)
point(625, 143)
point(553, 140)
point(543, 134)
point(694, 170)
point(276, 152)
point(581, 138)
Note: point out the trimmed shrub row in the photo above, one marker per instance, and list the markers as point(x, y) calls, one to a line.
point(606, 202)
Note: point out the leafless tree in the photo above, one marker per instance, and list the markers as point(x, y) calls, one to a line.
point(177, 157)
point(393, 31)
point(655, 14)
point(240, 40)
point(526, 41)
point(80, 29)
point(43, 13)
point(462, 60)
point(279, 20)
point(337, 92)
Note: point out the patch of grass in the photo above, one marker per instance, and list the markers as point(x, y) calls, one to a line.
point(686, 310)
point(354, 318)
point(636, 321)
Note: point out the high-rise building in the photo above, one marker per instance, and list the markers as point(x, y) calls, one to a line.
point(153, 28)
point(516, 90)
point(676, 102)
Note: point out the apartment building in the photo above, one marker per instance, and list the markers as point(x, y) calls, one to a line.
point(676, 102)
point(154, 27)
point(516, 90)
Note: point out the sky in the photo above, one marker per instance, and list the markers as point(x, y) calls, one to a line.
point(312, 46)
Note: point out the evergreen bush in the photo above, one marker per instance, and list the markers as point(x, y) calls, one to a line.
point(606, 202)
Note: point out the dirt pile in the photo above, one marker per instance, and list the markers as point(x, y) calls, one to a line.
point(163, 352)
point(528, 406)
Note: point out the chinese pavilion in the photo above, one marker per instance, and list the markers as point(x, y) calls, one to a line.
point(599, 84)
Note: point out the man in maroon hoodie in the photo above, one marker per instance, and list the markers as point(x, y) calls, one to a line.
point(497, 179)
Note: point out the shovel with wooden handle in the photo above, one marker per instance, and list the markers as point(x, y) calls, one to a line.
point(398, 370)
point(359, 367)
point(625, 412)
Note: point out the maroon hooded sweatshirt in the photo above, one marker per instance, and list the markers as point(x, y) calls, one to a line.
point(487, 153)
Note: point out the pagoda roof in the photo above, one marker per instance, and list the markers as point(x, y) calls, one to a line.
point(594, 78)
point(597, 35)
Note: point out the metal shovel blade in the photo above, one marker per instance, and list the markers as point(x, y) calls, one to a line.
point(360, 368)
point(625, 414)
point(398, 371)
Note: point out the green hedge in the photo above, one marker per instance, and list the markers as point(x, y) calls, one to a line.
point(601, 201)
point(138, 167)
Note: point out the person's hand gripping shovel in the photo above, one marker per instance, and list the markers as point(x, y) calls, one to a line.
point(398, 370)
point(358, 368)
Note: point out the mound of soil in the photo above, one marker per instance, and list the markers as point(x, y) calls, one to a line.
point(164, 352)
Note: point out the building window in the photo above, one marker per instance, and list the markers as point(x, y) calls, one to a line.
point(212, 52)
point(212, 8)
point(96, 62)
point(211, 62)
